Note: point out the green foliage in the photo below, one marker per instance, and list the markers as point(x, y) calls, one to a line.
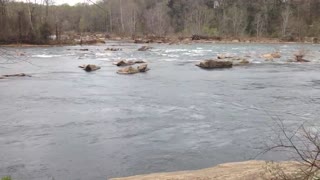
point(6, 178)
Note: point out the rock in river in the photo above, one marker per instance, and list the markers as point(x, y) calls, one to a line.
point(144, 48)
point(132, 70)
point(214, 64)
point(143, 68)
point(128, 70)
point(90, 67)
point(271, 56)
point(127, 63)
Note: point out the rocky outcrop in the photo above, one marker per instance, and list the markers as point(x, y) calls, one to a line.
point(271, 56)
point(90, 67)
point(128, 63)
point(83, 49)
point(214, 64)
point(236, 61)
point(144, 48)
point(131, 70)
point(250, 170)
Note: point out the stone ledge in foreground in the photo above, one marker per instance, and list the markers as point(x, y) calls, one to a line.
point(249, 170)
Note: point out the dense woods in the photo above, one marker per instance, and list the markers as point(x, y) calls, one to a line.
point(36, 22)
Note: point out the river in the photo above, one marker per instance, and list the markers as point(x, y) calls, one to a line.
point(65, 124)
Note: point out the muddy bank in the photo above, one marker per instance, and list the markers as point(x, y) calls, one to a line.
point(250, 170)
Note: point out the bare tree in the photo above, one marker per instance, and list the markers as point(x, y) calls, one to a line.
point(121, 16)
point(303, 143)
point(285, 19)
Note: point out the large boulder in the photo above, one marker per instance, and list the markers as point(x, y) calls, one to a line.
point(128, 70)
point(215, 64)
point(131, 70)
point(90, 67)
point(236, 61)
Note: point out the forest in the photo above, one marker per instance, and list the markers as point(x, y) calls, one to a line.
point(35, 21)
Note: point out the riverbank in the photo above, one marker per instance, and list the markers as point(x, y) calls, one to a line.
point(249, 170)
point(94, 39)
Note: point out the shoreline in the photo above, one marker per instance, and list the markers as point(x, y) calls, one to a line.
point(228, 171)
point(168, 40)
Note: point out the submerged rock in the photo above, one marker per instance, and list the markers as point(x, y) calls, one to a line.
point(90, 67)
point(17, 75)
point(215, 64)
point(113, 49)
point(144, 48)
point(127, 63)
point(14, 75)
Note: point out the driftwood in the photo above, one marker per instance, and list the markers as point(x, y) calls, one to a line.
point(14, 75)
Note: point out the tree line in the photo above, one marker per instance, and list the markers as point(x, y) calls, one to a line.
point(34, 22)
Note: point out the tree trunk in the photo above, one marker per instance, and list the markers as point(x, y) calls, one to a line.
point(121, 17)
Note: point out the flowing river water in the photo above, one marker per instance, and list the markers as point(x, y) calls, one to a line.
point(65, 124)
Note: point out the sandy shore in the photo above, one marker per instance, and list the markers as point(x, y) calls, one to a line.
point(250, 170)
